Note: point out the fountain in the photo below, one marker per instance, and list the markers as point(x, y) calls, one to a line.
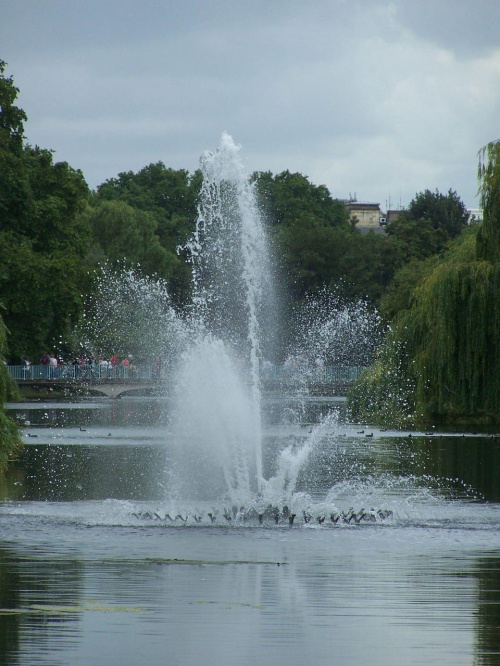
point(214, 468)
point(218, 404)
point(215, 454)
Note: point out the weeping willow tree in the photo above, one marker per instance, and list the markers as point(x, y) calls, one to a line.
point(453, 337)
point(385, 392)
point(449, 338)
point(488, 240)
point(10, 442)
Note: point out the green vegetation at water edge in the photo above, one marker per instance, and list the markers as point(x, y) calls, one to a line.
point(444, 348)
point(10, 441)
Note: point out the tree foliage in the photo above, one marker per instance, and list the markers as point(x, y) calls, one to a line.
point(10, 441)
point(488, 240)
point(367, 264)
point(43, 238)
point(129, 235)
point(308, 227)
point(14, 186)
point(12, 118)
point(431, 220)
point(42, 296)
point(450, 331)
point(446, 212)
point(385, 391)
point(399, 293)
point(453, 335)
point(287, 196)
point(170, 197)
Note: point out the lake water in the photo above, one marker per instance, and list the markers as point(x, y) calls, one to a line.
point(87, 578)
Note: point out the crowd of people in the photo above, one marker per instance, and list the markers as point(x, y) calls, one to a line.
point(53, 366)
point(105, 367)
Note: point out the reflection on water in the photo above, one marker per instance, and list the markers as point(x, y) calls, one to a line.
point(83, 580)
point(57, 472)
point(488, 610)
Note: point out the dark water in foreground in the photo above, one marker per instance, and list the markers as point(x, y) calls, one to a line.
point(84, 581)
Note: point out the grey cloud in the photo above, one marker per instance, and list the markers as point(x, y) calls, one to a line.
point(468, 28)
point(356, 94)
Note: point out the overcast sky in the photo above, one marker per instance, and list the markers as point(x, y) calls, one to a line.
point(382, 98)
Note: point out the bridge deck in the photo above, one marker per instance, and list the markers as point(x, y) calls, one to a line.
point(113, 382)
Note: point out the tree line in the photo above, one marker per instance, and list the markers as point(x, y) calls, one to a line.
point(56, 233)
point(440, 362)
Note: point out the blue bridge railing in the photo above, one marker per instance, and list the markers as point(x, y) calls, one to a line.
point(145, 372)
point(327, 373)
point(82, 372)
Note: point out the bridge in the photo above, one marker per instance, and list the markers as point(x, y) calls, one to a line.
point(109, 381)
point(115, 381)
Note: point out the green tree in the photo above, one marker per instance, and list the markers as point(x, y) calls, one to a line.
point(448, 340)
point(129, 235)
point(43, 237)
point(431, 220)
point(311, 254)
point(10, 441)
point(453, 336)
point(15, 195)
point(59, 194)
point(445, 211)
point(415, 239)
point(488, 239)
point(12, 118)
point(172, 197)
point(398, 294)
point(287, 196)
point(308, 229)
point(367, 264)
point(43, 296)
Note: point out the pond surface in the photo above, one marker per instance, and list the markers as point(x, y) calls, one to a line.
point(90, 575)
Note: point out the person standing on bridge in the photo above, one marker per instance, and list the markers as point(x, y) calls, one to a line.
point(125, 365)
point(53, 366)
point(113, 365)
point(104, 368)
point(77, 362)
point(45, 363)
point(131, 365)
point(26, 363)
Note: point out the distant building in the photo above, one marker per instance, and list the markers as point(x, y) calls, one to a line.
point(367, 214)
point(392, 215)
point(475, 215)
